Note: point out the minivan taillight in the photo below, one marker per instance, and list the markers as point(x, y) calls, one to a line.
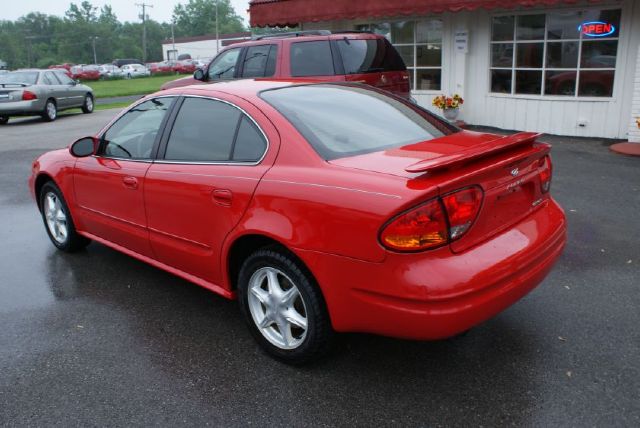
point(546, 171)
point(434, 223)
point(28, 96)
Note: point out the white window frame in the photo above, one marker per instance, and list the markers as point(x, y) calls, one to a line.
point(544, 68)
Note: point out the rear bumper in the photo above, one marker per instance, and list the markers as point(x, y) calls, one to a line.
point(19, 108)
point(439, 294)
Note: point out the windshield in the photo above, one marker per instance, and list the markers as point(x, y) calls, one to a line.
point(28, 77)
point(344, 120)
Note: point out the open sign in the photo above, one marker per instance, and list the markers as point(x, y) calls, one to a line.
point(596, 29)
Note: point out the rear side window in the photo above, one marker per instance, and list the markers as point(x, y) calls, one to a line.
point(259, 61)
point(250, 144)
point(213, 131)
point(64, 79)
point(342, 120)
point(50, 79)
point(369, 56)
point(311, 59)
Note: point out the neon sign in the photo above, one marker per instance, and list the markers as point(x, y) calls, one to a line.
point(596, 29)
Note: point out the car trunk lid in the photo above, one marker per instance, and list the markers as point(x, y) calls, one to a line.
point(506, 169)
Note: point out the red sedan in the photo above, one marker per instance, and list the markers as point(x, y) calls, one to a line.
point(322, 207)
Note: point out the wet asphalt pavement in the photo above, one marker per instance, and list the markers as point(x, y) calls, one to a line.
point(100, 339)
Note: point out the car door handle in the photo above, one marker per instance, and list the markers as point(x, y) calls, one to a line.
point(223, 197)
point(130, 182)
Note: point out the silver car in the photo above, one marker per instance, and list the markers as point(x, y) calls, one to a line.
point(41, 92)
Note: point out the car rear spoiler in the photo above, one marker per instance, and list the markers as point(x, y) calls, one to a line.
point(479, 151)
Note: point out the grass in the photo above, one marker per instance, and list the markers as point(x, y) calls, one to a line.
point(126, 87)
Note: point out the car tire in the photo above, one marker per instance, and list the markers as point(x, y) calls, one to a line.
point(50, 112)
point(4, 120)
point(57, 220)
point(283, 307)
point(87, 106)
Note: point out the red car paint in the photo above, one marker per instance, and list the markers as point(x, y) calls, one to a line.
point(396, 82)
point(330, 215)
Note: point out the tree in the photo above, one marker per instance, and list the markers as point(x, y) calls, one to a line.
point(198, 17)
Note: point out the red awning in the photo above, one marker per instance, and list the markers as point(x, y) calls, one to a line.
point(292, 12)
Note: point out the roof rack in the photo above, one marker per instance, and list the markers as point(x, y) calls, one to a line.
point(294, 34)
point(307, 33)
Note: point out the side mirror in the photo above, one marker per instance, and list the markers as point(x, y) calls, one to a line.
point(74, 82)
point(199, 75)
point(84, 147)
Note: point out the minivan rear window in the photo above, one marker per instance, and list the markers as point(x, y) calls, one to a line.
point(369, 56)
point(341, 120)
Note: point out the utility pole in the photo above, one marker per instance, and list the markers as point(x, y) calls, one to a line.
point(95, 57)
point(144, 7)
point(173, 40)
point(217, 31)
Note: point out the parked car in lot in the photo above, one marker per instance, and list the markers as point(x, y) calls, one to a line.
point(67, 66)
point(85, 72)
point(163, 67)
point(186, 66)
point(310, 55)
point(322, 207)
point(109, 71)
point(122, 62)
point(41, 92)
point(130, 71)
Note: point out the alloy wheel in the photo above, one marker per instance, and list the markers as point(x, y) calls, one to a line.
point(277, 308)
point(56, 217)
point(52, 111)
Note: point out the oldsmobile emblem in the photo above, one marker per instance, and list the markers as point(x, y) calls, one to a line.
point(515, 172)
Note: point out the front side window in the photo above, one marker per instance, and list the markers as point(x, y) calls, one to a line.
point(260, 61)
point(311, 59)
point(332, 119)
point(208, 130)
point(569, 53)
point(224, 66)
point(420, 46)
point(134, 134)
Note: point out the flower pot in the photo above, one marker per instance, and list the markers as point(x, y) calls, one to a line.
point(451, 113)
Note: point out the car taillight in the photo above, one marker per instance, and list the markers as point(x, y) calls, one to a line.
point(28, 96)
point(434, 223)
point(546, 171)
point(462, 209)
point(418, 229)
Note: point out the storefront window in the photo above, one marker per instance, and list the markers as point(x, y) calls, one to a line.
point(570, 53)
point(420, 45)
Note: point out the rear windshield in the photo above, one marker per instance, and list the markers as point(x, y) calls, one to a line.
point(347, 120)
point(369, 56)
point(28, 77)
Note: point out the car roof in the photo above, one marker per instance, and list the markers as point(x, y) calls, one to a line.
point(274, 38)
point(246, 88)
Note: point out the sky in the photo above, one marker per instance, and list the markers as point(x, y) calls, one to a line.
point(125, 10)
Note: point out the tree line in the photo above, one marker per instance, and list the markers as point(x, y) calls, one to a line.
point(40, 40)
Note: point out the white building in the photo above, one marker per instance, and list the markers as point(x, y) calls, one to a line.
point(200, 47)
point(566, 67)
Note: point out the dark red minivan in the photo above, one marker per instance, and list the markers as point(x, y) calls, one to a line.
point(311, 56)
